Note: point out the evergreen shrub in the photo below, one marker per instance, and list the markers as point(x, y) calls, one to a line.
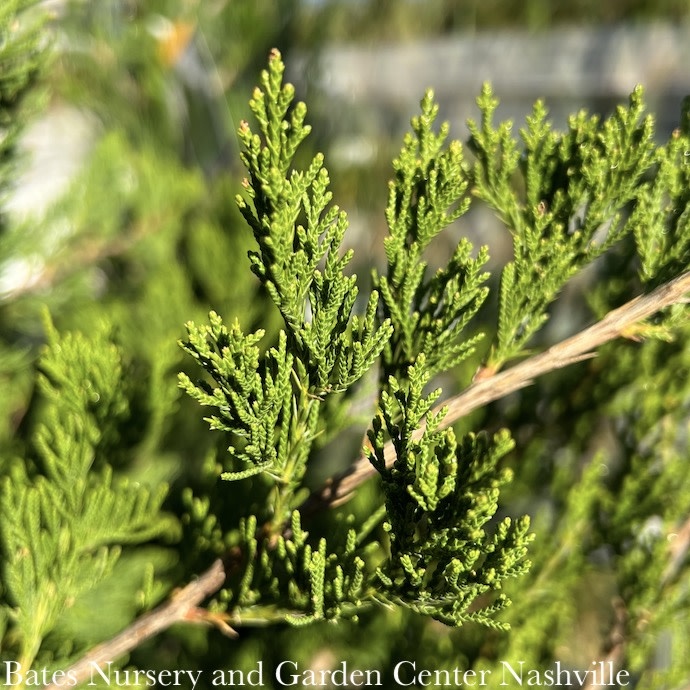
point(531, 520)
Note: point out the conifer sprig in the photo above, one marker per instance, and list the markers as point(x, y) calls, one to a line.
point(253, 395)
point(271, 405)
point(626, 321)
point(428, 193)
point(297, 582)
point(66, 517)
point(579, 186)
point(661, 218)
point(440, 495)
point(299, 234)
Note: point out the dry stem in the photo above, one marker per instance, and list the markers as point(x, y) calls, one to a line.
point(181, 607)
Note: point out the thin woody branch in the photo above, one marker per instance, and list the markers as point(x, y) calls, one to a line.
point(617, 323)
point(183, 606)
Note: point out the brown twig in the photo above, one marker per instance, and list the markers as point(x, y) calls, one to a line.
point(619, 322)
point(183, 606)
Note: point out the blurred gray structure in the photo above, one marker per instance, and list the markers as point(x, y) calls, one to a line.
point(379, 87)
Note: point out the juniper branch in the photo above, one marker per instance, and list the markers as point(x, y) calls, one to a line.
point(183, 606)
point(487, 387)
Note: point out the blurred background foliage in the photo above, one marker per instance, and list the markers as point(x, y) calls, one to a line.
point(123, 211)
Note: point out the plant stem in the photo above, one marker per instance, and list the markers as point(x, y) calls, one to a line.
point(181, 607)
point(618, 322)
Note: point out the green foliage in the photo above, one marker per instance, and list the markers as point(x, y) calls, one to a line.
point(66, 518)
point(111, 487)
point(255, 401)
point(272, 408)
point(296, 231)
point(429, 193)
point(292, 581)
point(660, 220)
point(567, 199)
point(269, 404)
point(577, 186)
point(440, 495)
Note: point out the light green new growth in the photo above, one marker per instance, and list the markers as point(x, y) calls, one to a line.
point(270, 404)
point(65, 517)
point(254, 400)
